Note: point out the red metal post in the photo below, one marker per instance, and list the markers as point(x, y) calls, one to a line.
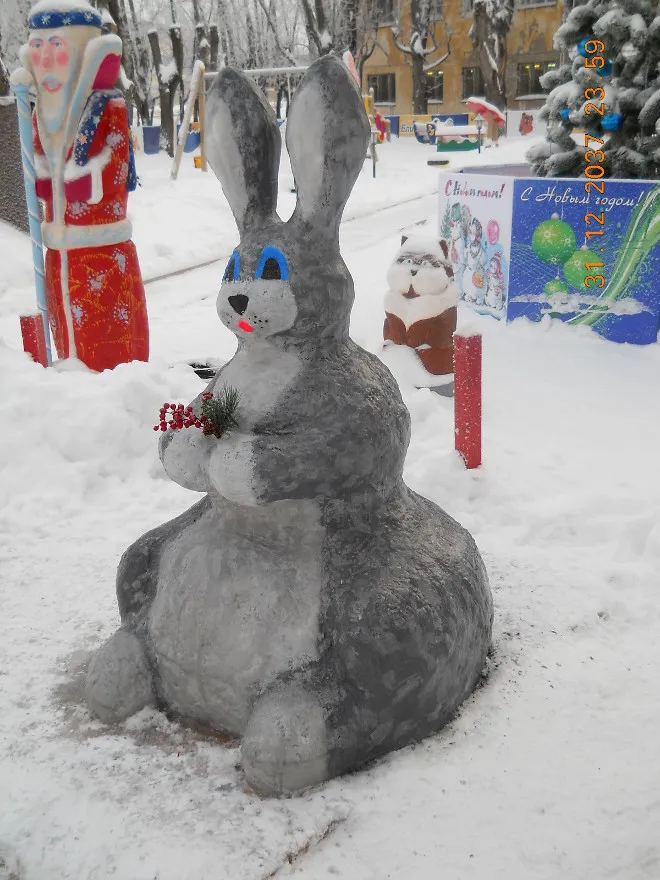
point(34, 338)
point(467, 398)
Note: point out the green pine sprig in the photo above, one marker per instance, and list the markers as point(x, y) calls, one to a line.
point(220, 412)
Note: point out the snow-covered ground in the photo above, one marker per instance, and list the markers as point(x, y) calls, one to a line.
point(550, 771)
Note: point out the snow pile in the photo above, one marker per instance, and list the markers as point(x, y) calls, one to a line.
point(89, 434)
point(549, 769)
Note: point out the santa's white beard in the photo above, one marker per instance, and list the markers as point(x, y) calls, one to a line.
point(52, 108)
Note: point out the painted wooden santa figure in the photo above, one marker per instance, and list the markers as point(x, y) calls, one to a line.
point(84, 172)
point(421, 309)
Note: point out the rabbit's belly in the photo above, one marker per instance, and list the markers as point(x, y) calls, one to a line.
point(237, 603)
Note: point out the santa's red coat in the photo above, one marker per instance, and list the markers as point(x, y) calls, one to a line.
point(108, 306)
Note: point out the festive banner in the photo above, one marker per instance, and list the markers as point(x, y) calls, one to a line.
point(475, 220)
point(580, 251)
point(585, 252)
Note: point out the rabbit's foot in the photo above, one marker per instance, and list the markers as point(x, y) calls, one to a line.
point(284, 747)
point(119, 679)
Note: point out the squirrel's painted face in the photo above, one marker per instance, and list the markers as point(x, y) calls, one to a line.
point(257, 301)
point(417, 274)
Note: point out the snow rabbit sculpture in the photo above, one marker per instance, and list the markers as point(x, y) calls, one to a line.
point(310, 603)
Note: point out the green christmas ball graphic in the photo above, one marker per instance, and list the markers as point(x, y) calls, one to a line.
point(555, 286)
point(575, 270)
point(553, 241)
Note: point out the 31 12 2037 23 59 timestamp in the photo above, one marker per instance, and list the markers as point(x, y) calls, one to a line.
point(594, 159)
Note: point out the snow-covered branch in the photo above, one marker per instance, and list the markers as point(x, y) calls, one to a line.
point(399, 45)
point(273, 28)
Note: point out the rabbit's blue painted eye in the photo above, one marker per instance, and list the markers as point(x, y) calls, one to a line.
point(272, 265)
point(233, 268)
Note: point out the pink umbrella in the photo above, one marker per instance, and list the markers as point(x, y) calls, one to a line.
point(479, 105)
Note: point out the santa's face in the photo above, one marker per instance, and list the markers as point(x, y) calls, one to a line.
point(55, 55)
point(51, 56)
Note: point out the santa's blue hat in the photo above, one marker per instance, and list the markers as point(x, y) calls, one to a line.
point(63, 13)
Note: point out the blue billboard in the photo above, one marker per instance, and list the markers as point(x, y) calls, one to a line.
point(585, 252)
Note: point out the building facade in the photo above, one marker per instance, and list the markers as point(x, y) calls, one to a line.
point(530, 55)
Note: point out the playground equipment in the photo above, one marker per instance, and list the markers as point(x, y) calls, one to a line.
point(197, 93)
point(424, 132)
point(383, 126)
point(457, 138)
point(493, 116)
point(446, 136)
point(379, 126)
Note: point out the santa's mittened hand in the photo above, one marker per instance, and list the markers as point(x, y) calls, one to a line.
point(44, 188)
point(78, 190)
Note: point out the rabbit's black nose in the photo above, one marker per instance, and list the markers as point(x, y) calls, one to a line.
point(414, 272)
point(239, 302)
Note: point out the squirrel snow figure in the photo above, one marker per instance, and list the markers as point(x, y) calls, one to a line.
point(421, 304)
point(310, 603)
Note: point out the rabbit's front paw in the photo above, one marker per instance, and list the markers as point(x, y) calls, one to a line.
point(185, 454)
point(231, 469)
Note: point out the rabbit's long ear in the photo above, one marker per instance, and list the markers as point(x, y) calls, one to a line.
point(327, 135)
point(243, 147)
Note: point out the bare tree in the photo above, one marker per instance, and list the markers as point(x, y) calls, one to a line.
point(270, 13)
point(422, 47)
point(202, 48)
point(168, 76)
point(489, 31)
point(316, 24)
point(214, 40)
point(361, 23)
point(4, 79)
point(136, 62)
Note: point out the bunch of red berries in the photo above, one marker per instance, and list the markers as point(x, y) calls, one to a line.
point(180, 417)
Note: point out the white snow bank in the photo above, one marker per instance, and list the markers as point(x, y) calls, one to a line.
point(548, 771)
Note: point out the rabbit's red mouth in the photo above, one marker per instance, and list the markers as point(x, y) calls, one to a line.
point(245, 326)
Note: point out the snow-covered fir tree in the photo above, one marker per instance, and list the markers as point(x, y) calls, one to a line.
point(609, 86)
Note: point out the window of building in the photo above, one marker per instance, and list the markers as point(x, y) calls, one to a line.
point(528, 3)
point(529, 76)
point(473, 82)
point(384, 86)
point(436, 10)
point(385, 11)
point(435, 87)
point(466, 5)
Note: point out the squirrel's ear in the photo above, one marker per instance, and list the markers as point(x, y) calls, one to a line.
point(327, 134)
point(404, 239)
point(243, 147)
